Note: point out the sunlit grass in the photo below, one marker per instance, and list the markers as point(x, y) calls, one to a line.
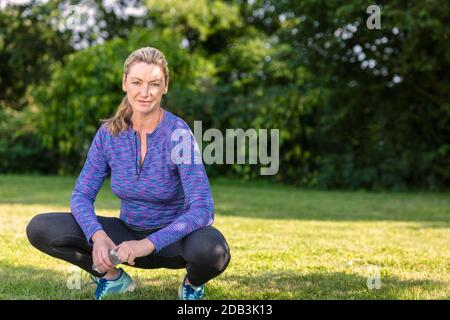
point(285, 243)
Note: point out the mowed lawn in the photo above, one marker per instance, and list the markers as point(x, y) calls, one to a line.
point(286, 243)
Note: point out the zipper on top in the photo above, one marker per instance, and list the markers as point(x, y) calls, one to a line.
point(137, 162)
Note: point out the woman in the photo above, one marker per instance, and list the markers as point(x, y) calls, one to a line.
point(167, 209)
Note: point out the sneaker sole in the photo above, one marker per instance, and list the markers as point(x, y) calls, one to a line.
point(131, 287)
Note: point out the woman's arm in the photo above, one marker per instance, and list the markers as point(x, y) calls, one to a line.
point(88, 184)
point(198, 196)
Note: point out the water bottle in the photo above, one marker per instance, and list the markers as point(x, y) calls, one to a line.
point(115, 260)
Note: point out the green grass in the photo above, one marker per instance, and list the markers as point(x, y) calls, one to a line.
point(286, 243)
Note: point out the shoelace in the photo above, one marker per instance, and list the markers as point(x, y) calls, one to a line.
point(190, 292)
point(101, 285)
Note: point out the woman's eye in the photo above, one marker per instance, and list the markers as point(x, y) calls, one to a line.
point(135, 82)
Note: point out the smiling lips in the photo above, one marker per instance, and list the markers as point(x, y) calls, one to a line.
point(144, 102)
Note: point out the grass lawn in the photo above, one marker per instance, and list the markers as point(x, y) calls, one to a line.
point(286, 243)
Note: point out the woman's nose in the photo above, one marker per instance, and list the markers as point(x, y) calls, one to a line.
point(145, 91)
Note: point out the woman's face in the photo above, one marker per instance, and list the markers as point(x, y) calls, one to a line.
point(145, 86)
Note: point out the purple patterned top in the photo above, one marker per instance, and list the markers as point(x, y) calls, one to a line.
point(161, 193)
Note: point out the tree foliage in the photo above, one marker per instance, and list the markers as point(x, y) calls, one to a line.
point(356, 107)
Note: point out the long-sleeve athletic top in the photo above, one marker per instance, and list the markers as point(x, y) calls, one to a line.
point(163, 192)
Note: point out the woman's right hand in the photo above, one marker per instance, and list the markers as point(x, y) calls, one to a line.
point(100, 252)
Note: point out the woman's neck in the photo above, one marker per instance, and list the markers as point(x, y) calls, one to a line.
point(147, 123)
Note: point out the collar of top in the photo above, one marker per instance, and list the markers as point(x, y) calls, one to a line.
point(159, 127)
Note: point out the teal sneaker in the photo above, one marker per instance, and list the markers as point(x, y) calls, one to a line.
point(186, 292)
point(122, 284)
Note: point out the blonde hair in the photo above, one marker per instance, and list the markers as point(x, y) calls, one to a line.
point(122, 118)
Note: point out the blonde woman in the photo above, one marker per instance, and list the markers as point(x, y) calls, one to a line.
point(167, 209)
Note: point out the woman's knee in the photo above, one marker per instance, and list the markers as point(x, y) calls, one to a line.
point(38, 230)
point(212, 252)
point(221, 256)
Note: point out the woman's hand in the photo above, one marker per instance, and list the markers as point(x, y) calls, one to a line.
point(130, 250)
point(100, 252)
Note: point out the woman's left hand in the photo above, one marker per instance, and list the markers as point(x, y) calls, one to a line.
point(130, 250)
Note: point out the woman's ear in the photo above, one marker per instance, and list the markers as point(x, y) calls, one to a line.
point(124, 79)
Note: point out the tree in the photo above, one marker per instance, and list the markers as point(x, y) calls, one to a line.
point(87, 88)
point(29, 46)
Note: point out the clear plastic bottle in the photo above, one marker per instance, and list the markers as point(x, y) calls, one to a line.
point(115, 260)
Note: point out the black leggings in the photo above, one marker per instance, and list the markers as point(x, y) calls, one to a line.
point(204, 253)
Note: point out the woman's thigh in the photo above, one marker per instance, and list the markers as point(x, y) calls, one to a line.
point(50, 229)
point(61, 229)
point(205, 246)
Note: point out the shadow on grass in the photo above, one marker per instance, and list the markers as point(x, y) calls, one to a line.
point(29, 283)
point(242, 199)
point(323, 286)
point(24, 282)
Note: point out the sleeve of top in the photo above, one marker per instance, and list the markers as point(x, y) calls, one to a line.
point(198, 196)
point(88, 184)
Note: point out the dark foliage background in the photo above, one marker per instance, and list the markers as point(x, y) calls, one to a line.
point(356, 108)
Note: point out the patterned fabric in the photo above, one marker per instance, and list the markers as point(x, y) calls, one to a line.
point(162, 193)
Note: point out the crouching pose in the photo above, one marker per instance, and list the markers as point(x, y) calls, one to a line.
point(167, 209)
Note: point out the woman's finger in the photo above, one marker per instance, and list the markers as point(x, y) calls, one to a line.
point(119, 251)
point(97, 261)
point(130, 260)
point(105, 260)
point(123, 253)
point(101, 265)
